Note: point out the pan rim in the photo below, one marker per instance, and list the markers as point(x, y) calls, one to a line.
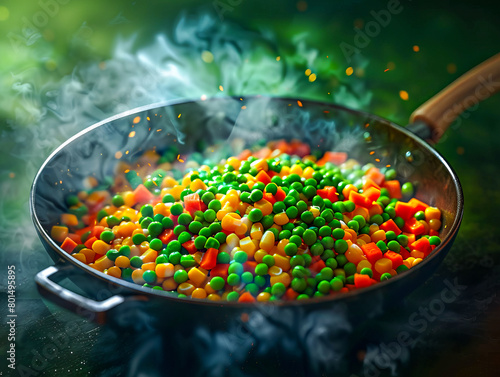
point(141, 291)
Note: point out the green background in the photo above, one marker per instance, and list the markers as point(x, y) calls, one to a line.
point(73, 37)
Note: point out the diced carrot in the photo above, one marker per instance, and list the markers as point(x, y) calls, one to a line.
point(394, 188)
point(263, 177)
point(433, 232)
point(192, 203)
point(246, 297)
point(414, 226)
point(290, 294)
point(209, 259)
point(250, 266)
point(411, 237)
point(370, 183)
point(220, 270)
point(396, 259)
point(418, 205)
point(280, 195)
point(360, 200)
point(405, 254)
point(269, 197)
point(89, 242)
point(375, 174)
point(372, 252)
point(82, 231)
point(390, 225)
point(244, 154)
point(372, 193)
point(405, 210)
point(422, 245)
point(68, 245)
point(142, 194)
point(336, 158)
point(362, 281)
point(166, 236)
point(189, 246)
point(75, 237)
point(376, 209)
point(317, 266)
point(299, 148)
point(97, 230)
point(263, 152)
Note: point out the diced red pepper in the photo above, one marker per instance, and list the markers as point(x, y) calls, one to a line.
point(189, 246)
point(269, 197)
point(68, 245)
point(192, 203)
point(372, 193)
point(209, 259)
point(263, 177)
point(317, 266)
point(75, 237)
point(394, 188)
point(280, 195)
point(246, 297)
point(362, 281)
point(142, 194)
point(360, 200)
point(88, 244)
point(405, 210)
point(414, 226)
point(96, 232)
point(396, 258)
point(328, 192)
point(418, 205)
point(250, 266)
point(405, 254)
point(220, 270)
point(372, 252)
point(390, 225)
point(375, 174)
point(422, 245)
point(290, 294)
point(166, 236)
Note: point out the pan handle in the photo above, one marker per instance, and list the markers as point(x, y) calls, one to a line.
point(94, 310)
point(476, 85)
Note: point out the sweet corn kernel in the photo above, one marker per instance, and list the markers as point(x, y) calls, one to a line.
point(267, 241)
point(363, 264)
point(197, 276)
point(379, 235)
point(199, 293)
point(383, 265)
point(282, 278)
point(164, 270)
point(263, 296)
point(169, 284)
point(114, 271)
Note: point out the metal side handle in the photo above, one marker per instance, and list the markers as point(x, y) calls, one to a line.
point(95, 310)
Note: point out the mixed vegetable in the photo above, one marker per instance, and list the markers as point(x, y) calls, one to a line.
point(279, 222)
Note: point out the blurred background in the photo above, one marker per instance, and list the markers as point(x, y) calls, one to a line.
point(66, 64)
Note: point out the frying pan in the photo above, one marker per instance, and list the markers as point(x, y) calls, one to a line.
point(229, 125)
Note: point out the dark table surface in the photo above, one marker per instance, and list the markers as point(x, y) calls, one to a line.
point(44, 103)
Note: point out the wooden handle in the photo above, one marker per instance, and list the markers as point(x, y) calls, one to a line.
point(468, 90)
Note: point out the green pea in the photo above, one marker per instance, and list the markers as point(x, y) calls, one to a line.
point(290, 201)
point(307, 217)
point(325, 231)
point(324, 287)
point(336, 284)
point(360, 219)
point(434, 240)
point(168, 198)
point(112, 221)
point(284, 234)
point(232, 296)
point(215, 227)
point(205, 231)
point(269, 260)
point(393, 245)
point(215, 205)
point(223, 258)
point(255, 215)
point(233, 279)
point(221, 237)
point(382, 245)
point(155, 229)
point(307, 259)
point(332, 263)
point(309, 191)
point(338, 233)
point(299, 284)
point(179, 229)
point(349, 206)
point(279, 207)
point(235, 268)
point(376, 219)
point(278, 289)
point(156, 244)
point(327, 214)
point(112, 254)
point(184, 219)
point(138, 238)
point(212, 243)
point(199, 242)
point(161, 259)
point(147, 210)
point(187, 261)
point(176, 209)
point(341, 246)
point(317, 249)
point(180, 276)
point(326, 273)
point(291, 249)
point(240, 256)
point(407, 189)
point(401, 269)
point(403, 240)
point(267, 221)
point(296, 260)
point(167, 223)
point(136, 262)
point(175, 257)
point(385, 276)
point(399, 222)
point(260, 281)
point(271, 188)
point(420, 215)
point(366, 271)
point(309, 237)
point(107, 236)
point(210, 215)
point(174, 245)
point(301, 206)
point(195, 226)
point(125, 250)
point(292, 212)
point(328, 242)
point(390, 235)
point(261, 269)
point(341, 260)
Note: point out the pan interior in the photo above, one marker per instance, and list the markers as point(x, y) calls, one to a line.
point(220, 127)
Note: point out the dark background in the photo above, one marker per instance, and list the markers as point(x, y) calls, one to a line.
point(53, 63)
